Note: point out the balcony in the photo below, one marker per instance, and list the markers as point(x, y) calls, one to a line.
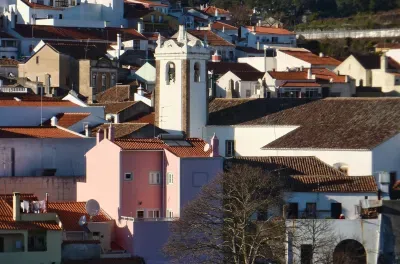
point(362, 213)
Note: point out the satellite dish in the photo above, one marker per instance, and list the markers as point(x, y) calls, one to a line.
point(92, 207)
point(206, 147)
point(82, 221)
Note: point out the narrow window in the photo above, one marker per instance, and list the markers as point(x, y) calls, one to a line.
point(293, 211)
point(94, 80)
point(140, 214)
point(170, 72)
point(306, 254)
point(154, 177)
point(153, 214)
point(136, 44)
point(197, 72)
point(170, 178)
point(37, 59)
point(60, 16)
point(170, 214)
point(311, 210)
point(128, 176)
point(229, 148)
point(113, 80)
point(103, 81)
point(336, 210)
point(152, 18)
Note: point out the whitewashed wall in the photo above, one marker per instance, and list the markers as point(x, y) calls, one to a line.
point(258, 62)
point(386, 156)
point(353, 68)
point(385, 80)
point(285, 61)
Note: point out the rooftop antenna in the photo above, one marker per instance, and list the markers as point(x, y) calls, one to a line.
point(92, 208)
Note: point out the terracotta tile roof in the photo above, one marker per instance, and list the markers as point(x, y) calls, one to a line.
point(68, 119)
point(220, 68)
point(270, 30)
point(5, 35)
point(212, 38)
point(147, 118)
point(70, 212)
point(211, 10)
point(196, 148)
point(330, 123)
point(35, 132)
point(115, 108)
point(118, 93)
point(28, 101)
point(339, 184)
point(300, 84)
point(8, 62)
point(327, 75)
point(290, 165)
point(49, 32)
point(285, 75)
point(323, 75)
point(79, 50)
point(249, 76)
point(373, 61)
point(312, 58)
point(219, 25)
point(7, 222)
point(125, 130)
point(40, 6)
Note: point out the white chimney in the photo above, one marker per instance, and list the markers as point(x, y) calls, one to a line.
point(223, 28)
point(216, 12)
point(309, 74)
point(86, 130)
point(321, 54)
point(140, 90)
point(259, 23)
point(181, 34)
point(384, 63)
point(54, 121)
point(119, 45)
point(16, 206)
point(140, 26)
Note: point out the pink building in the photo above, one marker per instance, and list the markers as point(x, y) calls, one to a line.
point(146, 182)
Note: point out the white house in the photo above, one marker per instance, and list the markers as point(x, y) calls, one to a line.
point(240, 85)
point(216, 13)
point(259, 36)
point(373, 71)
point(8, 46)
point(147, 74)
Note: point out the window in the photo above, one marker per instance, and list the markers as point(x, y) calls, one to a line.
point(51, 3)
point(103, 81)
point(152, 18)
point(37, 59)
point(311, 92)
point(274, 39)
point(49, 16)
point(136, 44)
point(293, 211)
point(154, 177)
point(197, 72)
point(37, 241)
point(61, 3)
point(153, 213)
point(170, 178)
point(290, 93)
point(170, 72)
point(140, 214)
point(170, 214)
point(248, 93)
point(311, 210)
point(113, 82)
point(160, 19)
point(60, 16)
point(306, 254)
point(128, 176)
point(230, 55)
point(336, 210)
point(229, 148)
point(94, 76)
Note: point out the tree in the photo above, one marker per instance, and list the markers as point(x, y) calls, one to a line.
point(241, 15)
point(228, 223)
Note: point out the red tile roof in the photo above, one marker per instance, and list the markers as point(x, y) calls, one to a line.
point(211, 10)
point(108, 34)
point(6, 102)
point(68, 119)
point(219, 25)
point(116, 107)
point(340, 184)
point(196, 148)
point(212, 38)
point(300, 84)
point(8, 62)
point(8, 223)
point(312, 58)
point(270, 30)
point(321, 74)
point(70, 212)
point(35, 132)
point(148, 118)
point(40, 6)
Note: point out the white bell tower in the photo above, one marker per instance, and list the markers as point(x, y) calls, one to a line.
point(181, 97)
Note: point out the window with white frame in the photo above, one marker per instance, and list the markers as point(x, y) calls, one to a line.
point(170, 214)
point(136, 44)
point(170, 178)
point(229, 148)
point(311, 92)
point(128, 176)
point(154, 177)
point(153, 213)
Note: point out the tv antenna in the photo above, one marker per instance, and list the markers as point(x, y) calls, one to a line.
point(92, 208)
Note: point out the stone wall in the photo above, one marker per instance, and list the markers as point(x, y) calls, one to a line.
point(59, 188)
point(339, 34)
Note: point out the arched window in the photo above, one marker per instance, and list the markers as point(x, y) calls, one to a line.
point(170, 72)
point(113, 80)
point(94, 75)
point(197, 72)
point(103, 81)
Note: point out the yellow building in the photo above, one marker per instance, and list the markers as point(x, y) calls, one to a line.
point(28, 237)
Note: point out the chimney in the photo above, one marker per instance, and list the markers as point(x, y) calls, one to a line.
point(16, 206)
point(321, 54)
point(140, 27)
point(105, 133)
point(53, 121)
point(86, 130)
point(111, 133)
point(254, 29)
point(309, 74)
point(216, 12)
point(258, 45)
point(216, 57)
point(99, 136)
point(119, 45)
point(259, 23)
point(46, 202)
point(140, 90)
point(214, 146)
point(223, 28)
point(384, 63)
point(181, 34)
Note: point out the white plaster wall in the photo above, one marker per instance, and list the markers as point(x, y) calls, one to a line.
point(358, 161)
point(91, 120)
point(30, 116)
point(85, 11)
point(385, 80)
point(258, 62)
point(248, 139)
point(324, 201)
point(282, 39)
point(285, 61)
point(222, 84)
point(147, 73)
point(198, 100)
point(171, 98)
point(23, 12)
point(386, 156)
point(353, 68)
point(394, 54)
point(66, 155)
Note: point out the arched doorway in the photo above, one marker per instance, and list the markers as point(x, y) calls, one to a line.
point(349, 251)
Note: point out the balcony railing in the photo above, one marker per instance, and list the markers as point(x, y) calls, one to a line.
point(319, 214)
